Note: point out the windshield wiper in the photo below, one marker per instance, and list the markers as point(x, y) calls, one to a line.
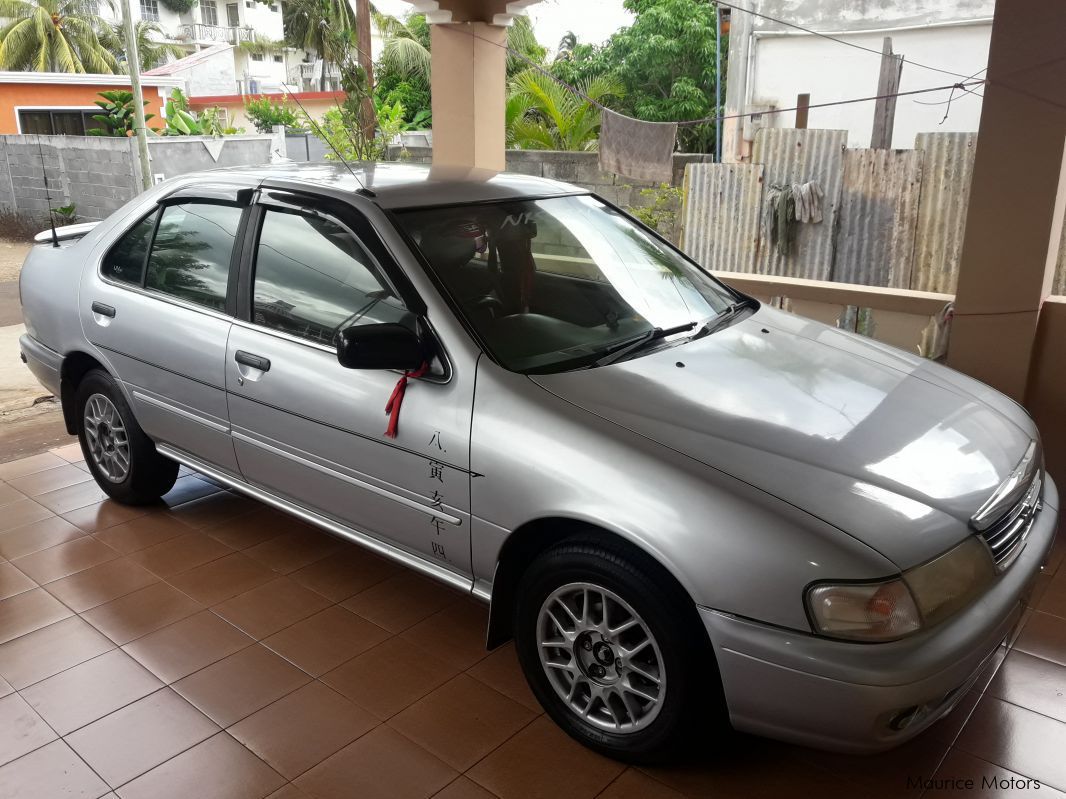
point(645, 338)
point(723, 318)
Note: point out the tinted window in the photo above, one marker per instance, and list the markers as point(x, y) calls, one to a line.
point(191, 254)
point(125, 261)
point(313, 279)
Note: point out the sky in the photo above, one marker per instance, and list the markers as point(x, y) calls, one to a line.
point(593, 23)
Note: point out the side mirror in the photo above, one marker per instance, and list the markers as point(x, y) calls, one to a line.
point(379, 346)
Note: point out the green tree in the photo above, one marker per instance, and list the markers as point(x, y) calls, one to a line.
point(265, 113)
point(117, 117)
point(324, 26)
point(402, 74)
point(151, 47)
point(543, 115)
point(53, 36)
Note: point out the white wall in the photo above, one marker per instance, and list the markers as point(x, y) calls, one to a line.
point(785, 66)
point(215, 75)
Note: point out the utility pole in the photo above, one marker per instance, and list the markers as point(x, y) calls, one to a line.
point(803, 107)
point(717, 83)
point(885, 108)
point(133, 63)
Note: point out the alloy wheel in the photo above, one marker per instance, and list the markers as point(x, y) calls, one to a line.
point(105, 434)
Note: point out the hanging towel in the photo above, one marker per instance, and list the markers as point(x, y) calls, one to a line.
point(637, 149)
point(808, 200)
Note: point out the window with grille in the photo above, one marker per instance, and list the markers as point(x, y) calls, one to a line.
point(150, 10)
point(208, 12)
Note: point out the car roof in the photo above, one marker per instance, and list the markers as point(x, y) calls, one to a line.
point(397, 185)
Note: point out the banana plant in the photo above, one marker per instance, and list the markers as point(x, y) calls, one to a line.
point(179, 121)
point(117, 118)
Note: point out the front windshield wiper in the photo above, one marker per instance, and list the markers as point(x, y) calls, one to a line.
point(645, 338)
point(726, 316)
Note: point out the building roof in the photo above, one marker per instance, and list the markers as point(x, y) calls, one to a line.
point(227, 99)
point(404, 185)
point(87, 79)
point(189, 60)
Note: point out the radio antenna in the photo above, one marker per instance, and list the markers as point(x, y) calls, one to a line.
point(318, 132)
point(48, 194)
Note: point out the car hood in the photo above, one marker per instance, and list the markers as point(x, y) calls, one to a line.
point(891, 448)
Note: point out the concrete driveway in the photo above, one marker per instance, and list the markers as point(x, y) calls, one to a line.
point(30, 422)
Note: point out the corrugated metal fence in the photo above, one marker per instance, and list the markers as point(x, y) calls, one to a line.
point(892, 218)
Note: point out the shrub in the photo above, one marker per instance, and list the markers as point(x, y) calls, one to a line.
point(265, 113)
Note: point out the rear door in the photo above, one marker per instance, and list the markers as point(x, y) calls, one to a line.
point(312, 431)
point(159, 309)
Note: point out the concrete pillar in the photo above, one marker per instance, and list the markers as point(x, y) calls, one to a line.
point(1016, 201)
point(469, 93)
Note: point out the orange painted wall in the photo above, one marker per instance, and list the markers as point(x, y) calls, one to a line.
point(56, 95)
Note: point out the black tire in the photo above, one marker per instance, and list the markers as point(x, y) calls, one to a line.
point(149, 475)
point(691, 687)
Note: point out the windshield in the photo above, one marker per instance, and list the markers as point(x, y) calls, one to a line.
point(557, 284)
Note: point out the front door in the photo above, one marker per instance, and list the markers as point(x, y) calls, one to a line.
point(157, 311)
point(314, 432)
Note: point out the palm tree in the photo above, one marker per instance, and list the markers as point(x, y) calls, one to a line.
point(324, 26)
point(152, 49)
point(406, 48)
point(566, 46)
point(53, 36)
point(543, 115)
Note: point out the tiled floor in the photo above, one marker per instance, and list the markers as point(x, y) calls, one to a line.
point(213, 647)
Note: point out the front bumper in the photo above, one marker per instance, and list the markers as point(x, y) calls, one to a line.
point(845, 696)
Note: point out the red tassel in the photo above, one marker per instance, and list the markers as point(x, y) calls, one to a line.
point(392, 407)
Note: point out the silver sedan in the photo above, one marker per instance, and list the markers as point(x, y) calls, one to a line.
point(685, 507)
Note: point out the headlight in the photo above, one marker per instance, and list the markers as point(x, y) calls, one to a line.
point(922, 597)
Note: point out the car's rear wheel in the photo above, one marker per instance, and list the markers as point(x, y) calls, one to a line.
point(120, 456)
point(610, 653)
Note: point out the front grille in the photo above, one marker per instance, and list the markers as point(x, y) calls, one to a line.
point(1006, 536)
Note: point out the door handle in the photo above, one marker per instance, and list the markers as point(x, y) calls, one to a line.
point(254, 361)
point(103, 310)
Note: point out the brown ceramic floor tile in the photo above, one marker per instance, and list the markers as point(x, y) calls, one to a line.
point(49, 480)
point(290, 791)
point(389, 677)
point(12, 581)
point(883, 774)
point(250, 529)
point(633, 784)
point(1044, 636)
point(1054, 598)
point(140, 736)
point(50, 650)
point(1033, 683)
point(213, 509)
point(187, 489)
point(188, 645)
point(180, 554)
point(456, 634)
point(5, 688)
point(463, 788)
point(963, 775)
point(35, 463)
point(271, 607)
point(21, 512)
point(111, 580)
point(1018, 740)
point(143, 532)
point(21, 729)
point(63, 560)
point(294, 550)
point(948, 728)
point(71, 453)
point(218, 768)
point(346, 573)
point(35, 536)
point(104, 515)
point(51, 771)
point(241, 684)
point(402, 601)
point(530, 765)
point(380, 764)
point(89, 691)
point(141, 612)
point(221, 579)
point(325, 640)
point(303, 729)
point(29, 611)
point(462, 721)
point(72, 497)
point(501, 670)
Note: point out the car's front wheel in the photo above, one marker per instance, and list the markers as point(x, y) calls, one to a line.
point(609, 651)
point(120, 456)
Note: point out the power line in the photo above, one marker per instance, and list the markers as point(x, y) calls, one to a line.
point(836, 39)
